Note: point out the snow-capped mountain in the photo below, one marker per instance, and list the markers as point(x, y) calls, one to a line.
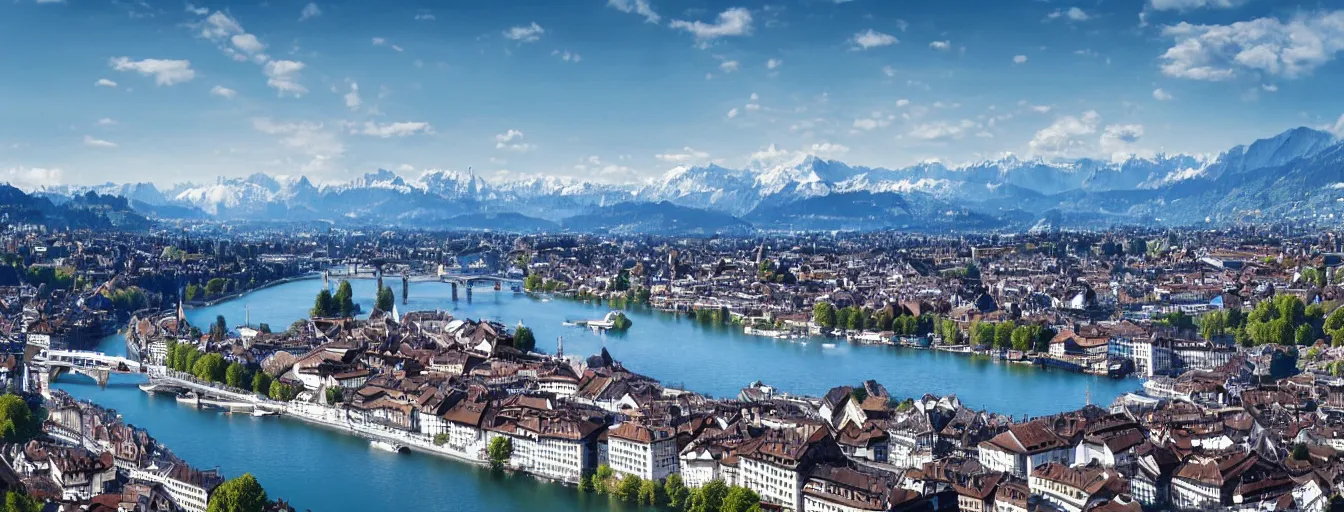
point(1299, 163)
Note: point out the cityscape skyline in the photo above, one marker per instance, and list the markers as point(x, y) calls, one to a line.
point(620, 91)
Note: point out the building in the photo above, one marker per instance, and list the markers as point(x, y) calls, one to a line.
point(646, 452)
point(776, 464)
point(1076, 489)
point(1025, 446)
point(188, 488)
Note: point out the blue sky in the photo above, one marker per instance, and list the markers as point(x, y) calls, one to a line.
point(622, 90)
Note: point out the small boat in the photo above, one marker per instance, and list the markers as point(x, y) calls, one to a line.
point(189, 398)
point(827, 345)
point(388, 447)
point(259, 413)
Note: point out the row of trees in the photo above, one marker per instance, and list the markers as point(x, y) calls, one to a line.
point(1283, 320)
point(673, 494)
point(1008, 335)
point(213, 289)
point(212, 367)
point(855, 318)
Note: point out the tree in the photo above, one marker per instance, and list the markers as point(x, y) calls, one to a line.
point(264, 328)
point(585, 482)
point(1305, 335)
point(335, 395)
point(648, 493)
point(210, 367)
point(500, 450)
point(620, 322)
point(628, 489)
point(532, 282)
point(740, 499)
point(386, 299)
point(18, 424)
point(281, 392)
point(20, 502)
point(344, 300)
point(261, 383)
point(236, 375)
point(242, 494)
point(323, 305)
point(1300, 452)
point(823, 313)
point(1003, 335)
point(675, 490)
point(214, 287)
point(709, 497)
point(191, 293)
point(523, 339)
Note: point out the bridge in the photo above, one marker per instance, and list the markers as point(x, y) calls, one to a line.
point(210, 394)
point(96, 365)
point(469, 280)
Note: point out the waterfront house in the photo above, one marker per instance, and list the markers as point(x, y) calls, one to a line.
point(558, 443)
point(776, 464)
point(189, 489)
point(833, 488)
point(81, 474)
point(866, 442)
point(644, 451)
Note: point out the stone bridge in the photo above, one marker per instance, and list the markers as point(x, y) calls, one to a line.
point(98, 366)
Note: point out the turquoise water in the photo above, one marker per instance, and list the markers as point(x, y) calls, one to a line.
point(324, 470)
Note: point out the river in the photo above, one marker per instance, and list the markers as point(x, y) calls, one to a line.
point(323, 470)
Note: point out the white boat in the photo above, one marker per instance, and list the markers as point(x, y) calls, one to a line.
point(388, 447)
point(262, 412)
point(827, 345)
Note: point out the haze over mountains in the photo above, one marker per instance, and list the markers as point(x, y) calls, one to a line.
point(1297, 174)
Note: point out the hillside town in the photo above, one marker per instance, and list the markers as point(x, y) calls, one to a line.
point(1229, 339)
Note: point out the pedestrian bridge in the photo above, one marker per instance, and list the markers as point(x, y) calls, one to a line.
point(98, 366)
point(469, 280)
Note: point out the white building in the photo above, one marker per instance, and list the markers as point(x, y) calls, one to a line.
point(189, 489)
point(646, 452)
point(1023, 447)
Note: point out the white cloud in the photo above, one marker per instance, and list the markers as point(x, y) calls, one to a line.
point(199, 11)
point(640, 7)
point(98, 143)
point(219, 26)
point(753, 106)
point(567, 56)
point(771, 155)
point(1265, 46)
point(1072, 13)
point(755, 96)
point(165, 72)
point(399, 129)
point(732, 112)
point(1186, 5)
point(941, 45)
point(31, 179)
point(525, 34)
point(106, 121)
point(1269, 87)
point(889, 71)
point(1161, 95)
point(1337, 128)
point(310, 11)
point(248, 43)
point(687, 154)
point(1063, 138)
point(321, 146)
point(943, 130)
point(732, 22)
point(872, 39)
point(223, 92)
point(352, 100)
point(1121, 138)
point(283, 76)
point(103, 82)
point(902, 102)
point(512, 140)
point(773, 63)
point(877, 120)
point(829, 149)
point(729, 66)
point(425, 16)
point(1019, 59)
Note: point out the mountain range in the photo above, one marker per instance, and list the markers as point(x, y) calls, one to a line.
point(1295, 175)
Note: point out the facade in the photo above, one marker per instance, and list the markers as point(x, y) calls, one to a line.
point(1023, 447)
point(646, 452)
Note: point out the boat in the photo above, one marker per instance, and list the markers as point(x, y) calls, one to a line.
point(388, 447)
point(259, 413)
point(827, 345)
point(189, 398)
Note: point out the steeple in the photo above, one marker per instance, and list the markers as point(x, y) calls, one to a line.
point(560, 347)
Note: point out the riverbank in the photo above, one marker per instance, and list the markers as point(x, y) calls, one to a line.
point(237, 295)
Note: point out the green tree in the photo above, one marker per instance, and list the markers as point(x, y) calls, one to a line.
point(1003, 335)
point(264, 328)
point(214, 287)
point(1300, 452)
point(281, 392)
point(1305, 335)
point(523, 339)
point(210, 367)
point(344, 300)
point(628, 489)
point(336, 394)
point(675, 490)
point(823, 313)
point(585, 482)
point(708, 498)
point(740, 499)
point(620, 322)
point(242, 494)
point(20, 502)
point(18, 424)
point(236, 375)
point(500, 450)
point(323, 305)
point(386, 299)
point(261, 383)
point(649, 493)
